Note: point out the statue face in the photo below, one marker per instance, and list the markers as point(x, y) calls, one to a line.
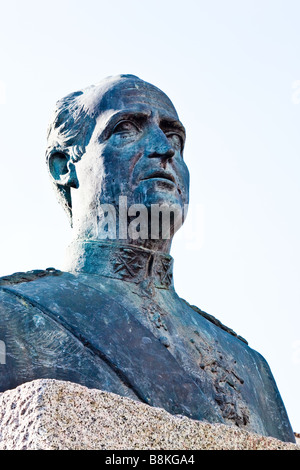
point(136, 150)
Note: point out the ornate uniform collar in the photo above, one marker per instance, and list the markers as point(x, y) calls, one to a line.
point(125, 262)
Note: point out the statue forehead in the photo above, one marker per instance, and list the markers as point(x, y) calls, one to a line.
point(120, 93)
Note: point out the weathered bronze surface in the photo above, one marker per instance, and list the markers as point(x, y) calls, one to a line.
point(112, 320)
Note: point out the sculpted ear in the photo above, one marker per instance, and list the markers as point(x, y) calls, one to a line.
point(62, 170)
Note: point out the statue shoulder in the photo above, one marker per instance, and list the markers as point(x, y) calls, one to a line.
point(17, 278)
point(216, 322)
point(9, 298)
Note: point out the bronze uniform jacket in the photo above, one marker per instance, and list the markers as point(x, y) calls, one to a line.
point(156, 349)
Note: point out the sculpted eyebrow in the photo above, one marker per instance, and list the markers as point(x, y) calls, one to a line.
point(170, 124)
point(133, 115)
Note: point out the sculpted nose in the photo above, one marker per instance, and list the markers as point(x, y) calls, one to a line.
point(159, 146)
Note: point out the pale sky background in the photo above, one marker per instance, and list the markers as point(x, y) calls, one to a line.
point(232, 69)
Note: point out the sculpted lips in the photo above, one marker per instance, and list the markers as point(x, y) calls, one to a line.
point(159, 175)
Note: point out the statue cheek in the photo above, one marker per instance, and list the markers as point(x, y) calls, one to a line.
point(117, 155)
point(183, 177)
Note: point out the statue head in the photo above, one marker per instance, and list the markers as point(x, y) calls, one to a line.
point(119, 138)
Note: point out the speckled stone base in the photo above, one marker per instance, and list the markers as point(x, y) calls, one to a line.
point(54, 415)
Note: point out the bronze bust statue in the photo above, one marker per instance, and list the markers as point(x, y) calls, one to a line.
point(112, 319)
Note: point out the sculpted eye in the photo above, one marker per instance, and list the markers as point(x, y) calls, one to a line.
point(126, 128)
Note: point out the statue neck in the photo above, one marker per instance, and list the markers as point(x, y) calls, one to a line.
point(125, 262)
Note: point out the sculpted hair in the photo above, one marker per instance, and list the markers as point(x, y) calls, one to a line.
point(68, 135)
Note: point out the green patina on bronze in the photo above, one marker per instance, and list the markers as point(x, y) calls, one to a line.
point(112, 319)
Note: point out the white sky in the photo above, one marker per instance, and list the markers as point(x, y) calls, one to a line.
point(232, 70)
